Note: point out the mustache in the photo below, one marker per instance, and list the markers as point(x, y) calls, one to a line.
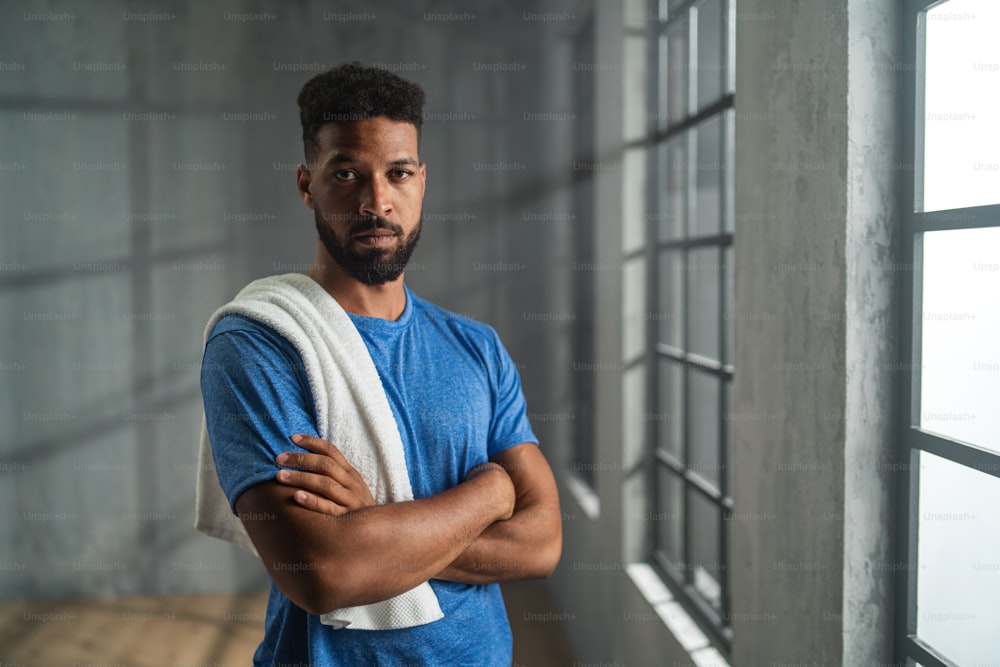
point(373, 223)
point(358, 224)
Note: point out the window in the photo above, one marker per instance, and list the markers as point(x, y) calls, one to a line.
point(950, 427)
point(689, 252)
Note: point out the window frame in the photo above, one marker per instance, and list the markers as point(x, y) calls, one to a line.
point(912, 439)
point(717, 624)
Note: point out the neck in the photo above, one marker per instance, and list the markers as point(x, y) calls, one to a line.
point(385, 301)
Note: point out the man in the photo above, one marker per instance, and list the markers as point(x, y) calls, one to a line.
point(485, 505)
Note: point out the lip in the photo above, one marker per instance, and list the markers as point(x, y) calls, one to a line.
point(375, 232)
point(375, 238)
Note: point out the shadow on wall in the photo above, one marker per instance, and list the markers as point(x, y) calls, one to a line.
point(147, 174)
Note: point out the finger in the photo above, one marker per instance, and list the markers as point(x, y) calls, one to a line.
point(321, 486)
point(317, 463)
point(317, 504)
point(320, 446)
point(311, 442)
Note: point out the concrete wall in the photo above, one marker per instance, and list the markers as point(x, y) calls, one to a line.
point(815, 285)
point(138, 195)
point(791, 184)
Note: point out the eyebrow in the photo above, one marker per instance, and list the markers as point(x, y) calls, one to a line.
point(344, 158)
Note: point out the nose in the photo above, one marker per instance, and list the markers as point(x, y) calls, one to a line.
point(377, 198)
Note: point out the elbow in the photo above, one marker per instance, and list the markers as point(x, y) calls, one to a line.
point(547, 553)
point(322, 597)
point(548, 558)
point(317, 597)
point(313, 603)
point(315, 591)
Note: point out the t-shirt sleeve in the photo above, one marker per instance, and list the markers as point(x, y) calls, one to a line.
point(510, 425)
point(256, 395)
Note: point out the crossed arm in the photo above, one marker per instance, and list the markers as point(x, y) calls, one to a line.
point(327, 544)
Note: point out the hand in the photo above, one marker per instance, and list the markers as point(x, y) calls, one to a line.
point(505, 492)
point(327, 483)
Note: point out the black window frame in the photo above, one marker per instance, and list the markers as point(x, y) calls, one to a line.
point(909, 647)
point(679, 576)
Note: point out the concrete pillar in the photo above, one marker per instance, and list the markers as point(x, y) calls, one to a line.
point(816, 211)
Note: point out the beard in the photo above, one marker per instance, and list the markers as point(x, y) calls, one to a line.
point(373, 266)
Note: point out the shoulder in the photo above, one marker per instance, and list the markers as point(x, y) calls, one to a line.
point(234, 323)
point(460, 326)
point(248, 339)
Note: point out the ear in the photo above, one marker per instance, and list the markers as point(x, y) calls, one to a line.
point(303, 181)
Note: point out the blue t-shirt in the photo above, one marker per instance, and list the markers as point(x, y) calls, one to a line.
point(456, 396)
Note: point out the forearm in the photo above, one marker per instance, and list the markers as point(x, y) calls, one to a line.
point(387, 550)
point(527, 546)
point(375, 553)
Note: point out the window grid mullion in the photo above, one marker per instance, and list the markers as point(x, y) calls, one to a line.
point(906, 583)
point(926, 654)
point(964, 454)
point(709, 241)
point(919, 53)
point(692, 69)
point(711, 110)
point(708, 489)
point(655, 531)
point(972, 217)
point(686, 310)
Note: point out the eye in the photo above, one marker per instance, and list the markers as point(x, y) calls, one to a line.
point(401, 174)
point(345, 175)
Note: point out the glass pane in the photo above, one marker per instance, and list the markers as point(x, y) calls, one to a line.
point(634, 276)
point(731, 46)
point(708, 178)
point(703, 301)
point(729, 307)
point(709, 65)
point(674, 64)
point(962, 105)
point(635, 408)
point(703, 447)
point(634, 199)
point(705, 570)
point(958, 579)
point(670, 317)
point(728, 447)
point(960, 377)
point(729, 170)
point(669, 528)
point(637, 13)
point(662, 48)
point(669, 415)
point(673, 169)
point(634, 88)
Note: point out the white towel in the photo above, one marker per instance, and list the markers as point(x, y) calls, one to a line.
point(352, 412)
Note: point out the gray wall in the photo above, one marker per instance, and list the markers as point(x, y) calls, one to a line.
point(136, 199)
point(122, 233)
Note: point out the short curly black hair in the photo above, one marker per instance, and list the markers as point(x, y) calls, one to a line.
point(352, 92)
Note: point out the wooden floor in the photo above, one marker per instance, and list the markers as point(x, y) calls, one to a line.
point(205, 630)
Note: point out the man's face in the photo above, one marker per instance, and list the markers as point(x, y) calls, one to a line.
point(367, 190)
